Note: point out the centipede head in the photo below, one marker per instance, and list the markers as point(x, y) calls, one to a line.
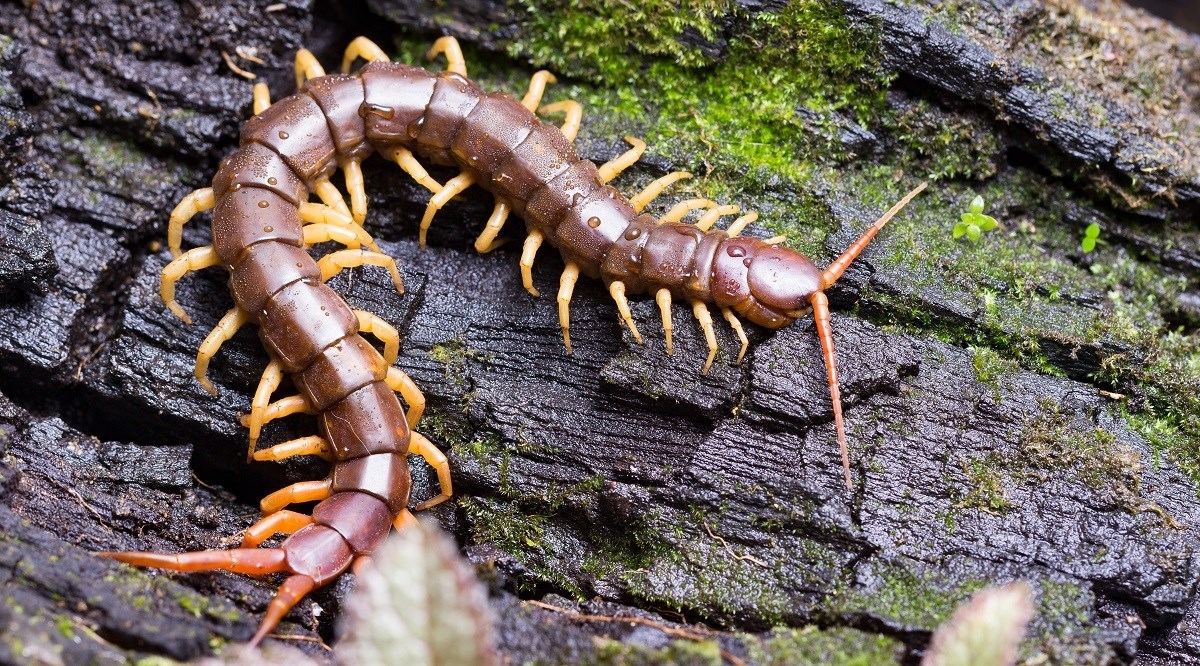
point(784, 285)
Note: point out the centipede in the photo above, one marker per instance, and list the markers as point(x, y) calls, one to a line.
point(264, 222)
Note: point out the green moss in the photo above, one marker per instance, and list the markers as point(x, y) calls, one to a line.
point(835, 646)
point(990, 366)
point(985, 485)
point(919, 600)
point(681, 652)
point(65, 626)
point(453, 355)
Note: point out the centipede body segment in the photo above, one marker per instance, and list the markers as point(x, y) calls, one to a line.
point(263, 222)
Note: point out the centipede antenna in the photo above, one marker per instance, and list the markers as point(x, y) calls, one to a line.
point(254, 561)
point(820, 305)
point(835, 270)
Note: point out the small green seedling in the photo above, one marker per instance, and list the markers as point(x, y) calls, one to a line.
point(974, 221)
point(1089, 237)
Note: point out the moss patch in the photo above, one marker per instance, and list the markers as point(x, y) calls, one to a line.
point(834, 646)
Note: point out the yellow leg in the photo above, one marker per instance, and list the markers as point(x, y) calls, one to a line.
point(407, 388)
point(710, 335)
point(312, 445)
point(307, 67)
point(566, 287)
point(405, 519)
point(574, 113)
point(352, 169)
point(281, 522)
point(613, 168)
point(663, 298)
point(304, 491)
point(537, 87)
point(454, 57)
point(315, 213)
point(776, 240)
point(532, 243)
point(334, 262)
point(736, 325)
point(412, 167)
point(330, 196)
point(293, 404)
point(617, 290)
point(679, 210)
point(708, 219)
point(451, 189)
point(225, 329)
point(192, 260)
point(437, 460)
point(321, 233)
point(271, 377)
point(487, 239)
point(741, 223)
point(196, 202)
point(361, 47)
point(262, 98)
point(370, 323)
point(656, 188)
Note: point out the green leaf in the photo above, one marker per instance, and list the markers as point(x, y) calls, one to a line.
point(967, 218)
point(960, 229)
point(985, 631)
point(1088, 244)
point(977, 204)
point(973, 232)
point(1093, 231)
point(986, 222)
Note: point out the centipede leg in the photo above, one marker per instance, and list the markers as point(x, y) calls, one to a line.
point(487, 239)
point(566, 287)
point(252, 561)
point(303, 491)
point(352, 170)
point(656, 188)
point(315, 213)
point(710, 334)
point(261, 98)
point(412, 167)
point(532, 243)
point(407, 388)
point(741, 223)
point(192, 260)
point(679, 210)
point(306, 67)
point(663, 298)
point(271, 377)
point(313, 445)
point(225, 329)
point(537, 88)
point(574, 116)
point(284, 407)
point(736, 325)
point(328, 193)
point(421, 446)
point(617, 290)
point(196, 202)
point(280, 522)
point(290, 593)
point(370, 323)
point(335, 262)
point(775, 240)
point(454, 58)
point(361, 47)
point(613, 168)
point(451, 189)
point(708, 219)
point(405, 520)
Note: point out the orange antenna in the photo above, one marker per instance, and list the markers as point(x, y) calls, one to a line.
point(839, 266)
point(820, 306)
